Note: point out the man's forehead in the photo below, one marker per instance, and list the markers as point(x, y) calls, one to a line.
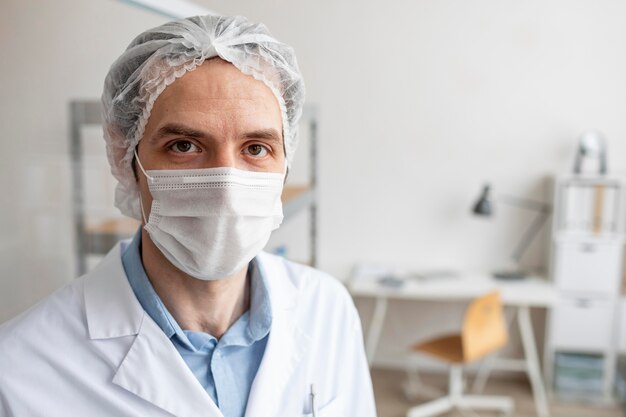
point(217, 78)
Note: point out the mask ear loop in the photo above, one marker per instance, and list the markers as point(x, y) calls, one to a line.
point(149, 178)
point(143, 213)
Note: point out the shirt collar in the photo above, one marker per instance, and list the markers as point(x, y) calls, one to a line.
point(252, 326)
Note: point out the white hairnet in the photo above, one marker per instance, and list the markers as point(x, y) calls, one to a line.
point(157, 57)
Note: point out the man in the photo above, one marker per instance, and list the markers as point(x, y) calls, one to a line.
point(190, 317)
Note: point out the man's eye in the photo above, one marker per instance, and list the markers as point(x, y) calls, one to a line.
point(256, 150)
point(184, 146)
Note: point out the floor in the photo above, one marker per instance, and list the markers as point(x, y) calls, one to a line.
point(391, 402)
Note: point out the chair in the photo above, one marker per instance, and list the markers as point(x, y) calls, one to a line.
point(484, 331)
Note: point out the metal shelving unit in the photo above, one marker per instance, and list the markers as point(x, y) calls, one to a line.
point(97, 238)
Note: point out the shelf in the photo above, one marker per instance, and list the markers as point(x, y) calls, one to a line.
point(101, 237)
point(117, 226)
point(564, 236)
point(591, 180)
point(296, 198)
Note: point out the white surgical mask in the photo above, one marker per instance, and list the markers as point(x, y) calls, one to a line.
point(210, 223)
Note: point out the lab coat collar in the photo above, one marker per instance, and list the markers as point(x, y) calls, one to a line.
point(152, 368)
point(285, 347)
point(111, 307)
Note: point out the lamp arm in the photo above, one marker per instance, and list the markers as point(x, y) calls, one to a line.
point(524, 203)
point(529, 236)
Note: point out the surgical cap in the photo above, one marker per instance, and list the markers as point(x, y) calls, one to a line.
point(159, 56)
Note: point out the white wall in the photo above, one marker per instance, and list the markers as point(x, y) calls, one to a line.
point(421, 102)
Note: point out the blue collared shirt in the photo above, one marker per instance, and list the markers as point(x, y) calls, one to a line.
point(225, 367)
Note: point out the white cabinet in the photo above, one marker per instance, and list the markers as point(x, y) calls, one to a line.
point(582, 324)
point(587, 257)
point(588, 266)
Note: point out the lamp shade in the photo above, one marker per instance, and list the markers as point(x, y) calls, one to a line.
point(484, 205)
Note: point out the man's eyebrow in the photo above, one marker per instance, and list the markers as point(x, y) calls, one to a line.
point(267, 134)
point(177, 129)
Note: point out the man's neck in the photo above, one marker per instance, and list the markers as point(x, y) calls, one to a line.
point(198, 305)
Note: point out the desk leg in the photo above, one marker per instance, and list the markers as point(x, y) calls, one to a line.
point(375, 328)
point(532, 361)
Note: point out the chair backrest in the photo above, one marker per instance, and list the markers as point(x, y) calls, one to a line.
point(484, 327)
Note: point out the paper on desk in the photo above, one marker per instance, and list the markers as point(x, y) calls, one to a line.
point(370, 272)
point(365, 272)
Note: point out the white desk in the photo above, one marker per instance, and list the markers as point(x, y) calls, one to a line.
point(521, 295)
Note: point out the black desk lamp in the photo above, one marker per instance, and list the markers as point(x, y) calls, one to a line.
point(485, 207)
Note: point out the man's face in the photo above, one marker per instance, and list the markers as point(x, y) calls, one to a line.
point(214, 116)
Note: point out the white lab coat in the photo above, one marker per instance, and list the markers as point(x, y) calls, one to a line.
point(89, 349)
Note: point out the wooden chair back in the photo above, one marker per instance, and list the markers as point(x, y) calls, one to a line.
point(484, 327)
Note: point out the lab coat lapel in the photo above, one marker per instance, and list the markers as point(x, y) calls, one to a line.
point(285, 347)
point(154, 371)
point(152, 368)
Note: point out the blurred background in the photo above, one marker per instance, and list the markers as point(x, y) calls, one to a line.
point(413, 107)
